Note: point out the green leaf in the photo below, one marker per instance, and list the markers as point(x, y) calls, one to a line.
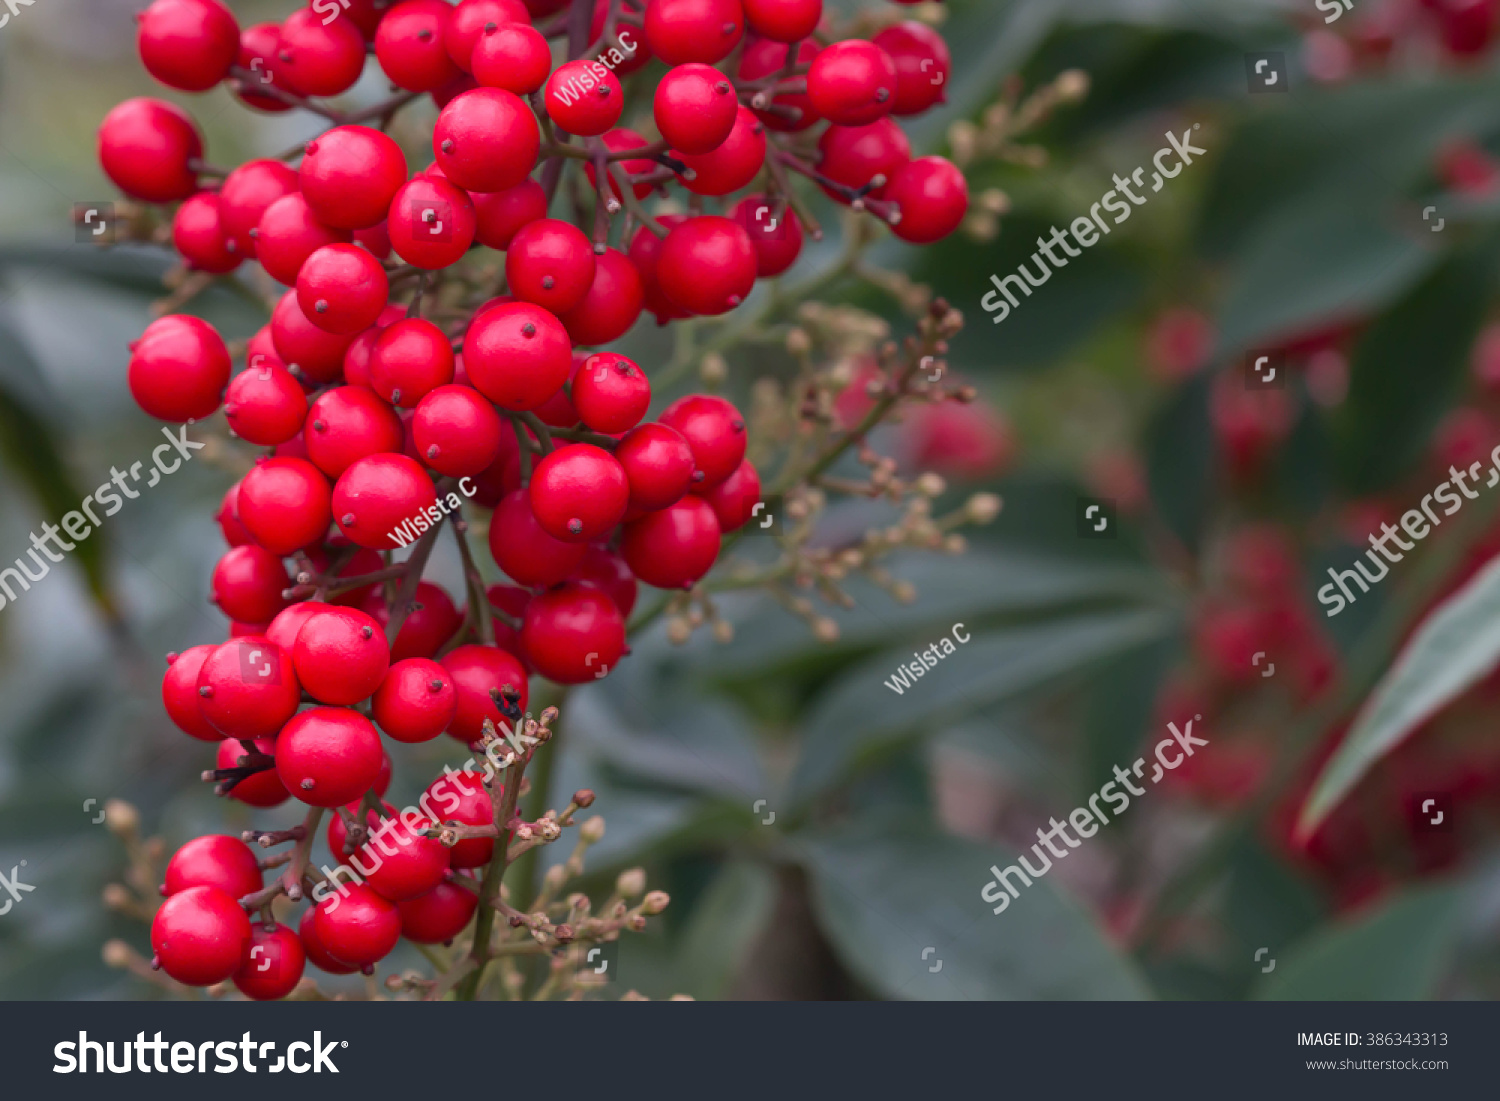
point(725, 923)
point(1453, 649)
point(859, 716)
point(883, 897)
point(1396, 953)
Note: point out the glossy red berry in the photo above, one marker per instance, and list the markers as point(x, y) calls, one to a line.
point(228, 518)
point(328, 756)
point(356, 925)
point(608, 573)
point(486, 139)
point(215, 860)
point(578, 493)
point(259, 789)
point(199, 936)
point(734, 499)
point(573, 634)
point(520, 546)
point(695, 108)
point(612, 305)
point(518, 355)
point(783, 20)
point(707, 265)
point(178, 369)
point(247, 688)
point(399, 861)
point(247, 584)
point(645, 253)
point(777, 236)
point(673, 548)
point(427, 627)
point(512, 56)
point(462, 797)
point(933, 197)
point(273, 963)
point(198, 233)
point(679, 31)
point(357, 357)
point(658, 464)
point(188, 44)
point(416, 702)
point(144, 148)
point(457, 432)
point(611, 393)
point(342, 289)
point(923, 66)
point(473, 20)
point(734, 163)
point(482, 676)
point(380, 495)
point(317, 952)
point(714, 430)
point(439, 915)
point(409, 45)
point(550, 263)
point(584, 98)
point(855, 155)
point(341, 656)
point(349, 176)
point(308, 352)
point(501, 214)
point(320, 57)
point(246, 194)
point(285, 505)
point(265, 405)
point(179, 693)
point(260, 52)
point(432, 223)
point(349, 423)
point(852, 83)
point(410, 359)
point(793, 110)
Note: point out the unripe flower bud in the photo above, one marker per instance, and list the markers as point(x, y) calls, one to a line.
point(584, 798)
point(631, 883)
point(1072, 85)
point(713, 370)
point(655, 902)
point(983, 508)
point(116, 953)
point(798, 343)
point(723, 632)
point(556, 876)
point(592, 831)
point(825, 629)
point(122, 819)
point(904, 592)
point(931, 485)
point(115, 896)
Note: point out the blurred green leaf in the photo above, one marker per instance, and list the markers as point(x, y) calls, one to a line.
point(725, 923)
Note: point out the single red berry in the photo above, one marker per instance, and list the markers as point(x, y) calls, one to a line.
point(410, 358)
point(199, 936)
point(246, 194)
point(188, 44)
point(399, 861)
point(215, 860)
point(341, 656)
point(228, 518)
point(144, 148)
point(309, 352)
point(793, 110)
point(584, 98)
point(923, 66)
point(283, 630)
point(381, 496)
point(855, 155)
point(933, 197)
point(501, 214)
point(673, 548)
point(783, 20)
point(486, 139)
point(376, 239)
point(513, 56)
point(550, 263)
point(247, 584)
point(520, 546)
point(357, 356)
point(416, 702)
point(247, 688)
point(518, 355)
point(320, 57)
point(734, 163)
point(179, 693)
point(852, 83)
point(473, 20)
point(327, 756)
point(259, 789)
point(317, 952)
point(198, 233)
point(178, 369)
point(715, 430)
point(432, 223)
point(645, 253)
point(462, 797)
point(618, 141)
point(573, 634)
point(483, 675)
point(777, 237)
point(695, 108)
point(427, 627)
point(457, 432)
point(611, 393)
point(350, 174)
point(288, 234)
point(612, 305)
point(679, 31)
point(273, 963)
point(409, 45)
point(342, 289)
point(608, 573)
point(349, 423)
point(578, 493)
point(260, 52)
point(659, 465)
point(439, 915)
point(265, 405)
point(707, 265)
point(734, 499)
point(357, 926)
point(285, 505)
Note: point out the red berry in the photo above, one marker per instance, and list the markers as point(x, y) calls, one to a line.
point(608, 573)
point(409, 45)
point(342, 289)
point(188, 44)
point(584, 98)
point(673, 548)
point(198, 233)
point(619, 141)
point(612, 304)
point(923, 66)
point(714, 430)
point(308, 351)
point(247, 688)
point(852, 83)
point(679, 31)
point(410, 358)
point(486, 139)
point(483, 674)
point(502, 475)
point(356, 926)
point(462, 797)
point(179, 693)
point(783, 20)
point(777, 237)
point(417, 864)
point(349, 423)
point(341, 656)
point(855, 155)
point(260, 52)
point(260, 789)
point(317, 953)
point(247, 584)
point(695, 108)
point(428, 626)
point(245, 196)
point(579, 493)
point(265, 405)
point(734, 163)
point(611, 393)
point(199, 935)
point(439, 915)
point(320, 57)
point(707, 265)
point(178, 369)
point(573, 634)
point(215, 860)
point(349, 176)
point(288, 234)
point(144, 148)
point(933, 197)
point(284, 628)
point(273, 963)
point(527, 554)
point(473, 20)
point(761, 59)
point(512, 56)
point(550, 263)
point(645, 254)
point(379, 496)
point(416, 702)
point(357, 356)
point(501, 214)
point(659, 465)
point(734, 499)
point(285, 505)
point(457, 432)
point(518, 355)
point(327, 756)
point(432, 223)
point(228, 518)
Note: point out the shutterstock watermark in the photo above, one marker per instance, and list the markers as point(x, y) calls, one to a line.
point(73, 523)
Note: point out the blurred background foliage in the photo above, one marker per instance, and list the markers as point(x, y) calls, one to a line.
point(1301, 231)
